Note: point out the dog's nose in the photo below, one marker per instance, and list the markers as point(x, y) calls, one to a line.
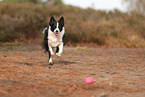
point(56, 30)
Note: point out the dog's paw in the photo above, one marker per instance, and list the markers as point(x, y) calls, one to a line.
point(52, 53)
point(50, 63)
point(58, 54)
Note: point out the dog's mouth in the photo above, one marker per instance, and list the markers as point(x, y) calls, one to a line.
point(56, 34)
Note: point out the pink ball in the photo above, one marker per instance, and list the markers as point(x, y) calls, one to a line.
point(89, 80)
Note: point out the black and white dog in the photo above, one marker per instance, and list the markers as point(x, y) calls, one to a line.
point(54, 37)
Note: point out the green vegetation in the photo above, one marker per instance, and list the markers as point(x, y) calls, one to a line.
point(33, 1)
point(53, 2)
point(83, 48)
point(11, 44)
point(24, 22)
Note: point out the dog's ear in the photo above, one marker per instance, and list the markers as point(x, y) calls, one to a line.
point(61, 21)
point(52, 21)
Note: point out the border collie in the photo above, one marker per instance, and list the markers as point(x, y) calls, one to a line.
point(54, 38)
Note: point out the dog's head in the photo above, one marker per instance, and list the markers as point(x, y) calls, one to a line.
point(56, 26)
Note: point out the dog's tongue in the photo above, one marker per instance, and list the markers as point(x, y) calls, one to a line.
point(56, 34)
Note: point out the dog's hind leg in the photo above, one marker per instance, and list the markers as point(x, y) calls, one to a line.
point(60, 50)
point(57, 49)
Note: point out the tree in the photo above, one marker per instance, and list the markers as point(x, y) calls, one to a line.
point(34, 1)
point(56, 2)
point(136, 5)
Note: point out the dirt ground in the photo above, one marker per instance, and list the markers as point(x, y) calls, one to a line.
point(117, 72)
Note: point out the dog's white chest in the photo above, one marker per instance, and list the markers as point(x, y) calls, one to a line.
point(54, 40)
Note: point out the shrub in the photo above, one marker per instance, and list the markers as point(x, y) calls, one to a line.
point(26, 21)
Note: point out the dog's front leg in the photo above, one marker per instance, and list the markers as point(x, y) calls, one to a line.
point(60, 50)
point(50, 59)
point(51, 50)
point(50, 54)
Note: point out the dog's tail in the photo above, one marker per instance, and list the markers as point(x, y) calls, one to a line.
point(44, 43)
point(44, 30)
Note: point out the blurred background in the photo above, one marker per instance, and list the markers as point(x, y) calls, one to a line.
point(110, 23)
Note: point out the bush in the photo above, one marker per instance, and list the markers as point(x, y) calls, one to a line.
point(26, 21)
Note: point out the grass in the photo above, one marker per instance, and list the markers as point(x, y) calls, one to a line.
point(6, 48)
point(83, 48)
point(12, 46)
